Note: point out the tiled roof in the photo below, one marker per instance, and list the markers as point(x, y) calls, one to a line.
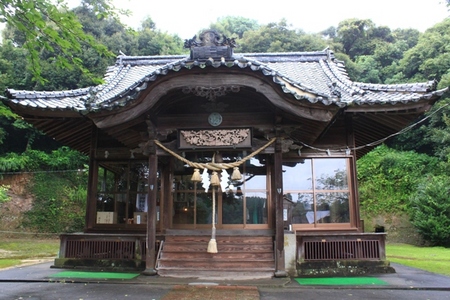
point(316, 77)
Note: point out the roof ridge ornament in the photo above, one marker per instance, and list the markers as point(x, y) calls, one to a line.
point(210, 44)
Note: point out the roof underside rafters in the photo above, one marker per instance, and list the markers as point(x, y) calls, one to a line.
point(75, 133)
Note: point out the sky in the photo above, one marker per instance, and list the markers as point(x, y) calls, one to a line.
point(186, 18)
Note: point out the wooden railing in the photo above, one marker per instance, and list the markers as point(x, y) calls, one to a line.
point(345, 246)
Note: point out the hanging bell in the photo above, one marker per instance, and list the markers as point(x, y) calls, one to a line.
point(196, 177)
point(236, 175)
point(215, 181)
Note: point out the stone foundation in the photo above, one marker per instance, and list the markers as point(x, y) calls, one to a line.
point(343, 268)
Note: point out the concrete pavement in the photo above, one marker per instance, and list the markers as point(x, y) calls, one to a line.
point(23, 282)
point(404, 278)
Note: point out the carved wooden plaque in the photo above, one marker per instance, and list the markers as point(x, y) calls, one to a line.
point(215, 138)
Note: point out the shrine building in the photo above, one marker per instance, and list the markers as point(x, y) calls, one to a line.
point(217, 163)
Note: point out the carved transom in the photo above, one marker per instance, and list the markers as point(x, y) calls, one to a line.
point(221, 137)
point(211, 93)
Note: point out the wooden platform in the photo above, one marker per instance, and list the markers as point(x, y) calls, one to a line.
point(238, 257)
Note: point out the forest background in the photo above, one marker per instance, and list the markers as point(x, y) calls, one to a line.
point(404, 183)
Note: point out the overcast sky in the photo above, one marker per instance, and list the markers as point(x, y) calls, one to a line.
point(185, 17)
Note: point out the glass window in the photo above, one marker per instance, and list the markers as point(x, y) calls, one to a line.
point(317, 191)
point(242, 202)
point(122, 192)
point(232, 207)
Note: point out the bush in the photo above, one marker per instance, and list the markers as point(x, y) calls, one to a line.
point(60, 202)
point(388, 177)
point(34, 160)
point(430, 210)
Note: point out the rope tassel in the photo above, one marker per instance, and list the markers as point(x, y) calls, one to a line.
point(212, 245)
point(215, 181)
point(196, 177)
point(236, 175)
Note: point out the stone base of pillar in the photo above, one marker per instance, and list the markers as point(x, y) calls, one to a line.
point(149, 272)
point(280, 274)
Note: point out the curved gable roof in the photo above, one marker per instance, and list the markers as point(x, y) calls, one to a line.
point(315, 77)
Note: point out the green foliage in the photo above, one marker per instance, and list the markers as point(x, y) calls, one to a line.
point(13, 67)
point(13, 162)
point(429, 59)
point(432, 137)
point(430, 209)
point(4, 197)
point(279, 37)
point(354, 34)
point(50, 26)
point(374, 50)
point(155, 42)
point(388, 177)
point(60, 202)
point(33, 160)
point(234, 27)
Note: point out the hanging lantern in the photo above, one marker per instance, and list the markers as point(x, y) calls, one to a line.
point(196, 177)
point(236, 175)
point(215, 179)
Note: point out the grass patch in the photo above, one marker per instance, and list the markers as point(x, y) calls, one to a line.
point(6, 263)
point(432, 259)
point(13, 251)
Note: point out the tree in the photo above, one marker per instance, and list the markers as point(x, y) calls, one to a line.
point(234, 27)
point(430, 210)
point(49, 25)
point(278, 37)
point(353, 34)
point(151, 41)
point(429, 59)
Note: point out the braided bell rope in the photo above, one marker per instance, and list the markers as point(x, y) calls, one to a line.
point(215, 166)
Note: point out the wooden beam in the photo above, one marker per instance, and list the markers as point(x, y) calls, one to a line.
point(398, 108)
point(200, 120)
point(273, 94)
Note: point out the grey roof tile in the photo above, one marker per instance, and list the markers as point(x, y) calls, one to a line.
point(318, 75)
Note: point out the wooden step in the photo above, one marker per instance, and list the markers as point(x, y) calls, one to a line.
point(216, 264)
point(186, 255)
point(196, 247)
point(220, 255)
point(220, 239)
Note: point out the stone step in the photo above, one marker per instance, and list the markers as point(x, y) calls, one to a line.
point(205, 274)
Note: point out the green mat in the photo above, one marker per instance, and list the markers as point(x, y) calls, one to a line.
point(94, 275)
point(341, 281)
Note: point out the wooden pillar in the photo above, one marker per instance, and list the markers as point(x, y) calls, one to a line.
point(354, 207)
point(277, 193)
point(150, 259)
point(91, 204)
point(167, 174)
